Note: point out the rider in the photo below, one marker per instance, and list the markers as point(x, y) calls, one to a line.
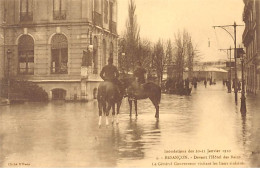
point(139, 73)
point(110, 73)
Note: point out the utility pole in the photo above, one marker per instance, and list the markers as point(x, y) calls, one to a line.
point(235, 54)
point(230, 81)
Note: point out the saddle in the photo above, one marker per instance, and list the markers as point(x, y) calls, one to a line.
point(136, 91)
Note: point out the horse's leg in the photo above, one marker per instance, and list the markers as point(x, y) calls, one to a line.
point(100, 105)
point(107, 112)
point(135, 101)
point(113, 112)
point(156, 105)
point(104, 108)
point(118, 108)
point(130, 105)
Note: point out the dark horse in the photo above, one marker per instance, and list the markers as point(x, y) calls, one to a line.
point(109, 97)
point(149, 90)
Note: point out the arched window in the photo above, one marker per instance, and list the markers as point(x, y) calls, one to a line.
point(26, 55)
point(95, 55)
point(59, 54)
point(104, 53)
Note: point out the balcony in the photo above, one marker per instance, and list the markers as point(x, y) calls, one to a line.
point(59, 15)
point(26, 16)
point(97, 19)
point(112, 27)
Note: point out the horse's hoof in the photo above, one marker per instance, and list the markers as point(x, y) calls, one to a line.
point(99, 126)
point(117, 123)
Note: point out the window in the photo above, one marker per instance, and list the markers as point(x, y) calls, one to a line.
point(97, 15)
point(112, 18)
point(59, 54)
point(58, 94)
point(26, 10)
point(26, 55)
point(5, 12)
point(95, 55)
point(106, 11)
point(104, 52)
point(97, 6)
point(59, 10)
point(111, 50)
point(111, 11)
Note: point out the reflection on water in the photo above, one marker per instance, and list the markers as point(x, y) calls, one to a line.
point(59, 134)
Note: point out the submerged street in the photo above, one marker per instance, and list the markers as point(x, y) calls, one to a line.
point(60, 134)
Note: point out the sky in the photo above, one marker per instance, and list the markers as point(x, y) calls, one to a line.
point(162, 19)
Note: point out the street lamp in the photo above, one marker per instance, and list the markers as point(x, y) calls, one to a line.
point(9, 52)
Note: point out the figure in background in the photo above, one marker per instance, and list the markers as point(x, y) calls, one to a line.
point(139, 73)
point(239, 86)
point(205, 83)
point(187, 83)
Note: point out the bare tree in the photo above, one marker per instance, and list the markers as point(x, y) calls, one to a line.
point(131, 37)
point(122, 59)
point(185, 54)
point(145, 53)
point(190, 56)
point(159, 60)
point(169, 59)
point(179, 55)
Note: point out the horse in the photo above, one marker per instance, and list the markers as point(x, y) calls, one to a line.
point(137, 91)
point(109, 96)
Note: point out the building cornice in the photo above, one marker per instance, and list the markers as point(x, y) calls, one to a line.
point(55, 24)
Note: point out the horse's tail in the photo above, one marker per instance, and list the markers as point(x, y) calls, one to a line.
point(159, 96)
point(101, 92)
point(154, 89)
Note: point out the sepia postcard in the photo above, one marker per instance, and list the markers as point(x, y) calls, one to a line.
point(129, 84)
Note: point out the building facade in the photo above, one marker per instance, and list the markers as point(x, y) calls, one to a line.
point(61, 45)
point(251, 41)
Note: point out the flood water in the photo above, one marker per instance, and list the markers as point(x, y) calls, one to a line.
point(60, 134)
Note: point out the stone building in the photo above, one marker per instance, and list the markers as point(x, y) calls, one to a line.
point(251, 41)
point(59, 44)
